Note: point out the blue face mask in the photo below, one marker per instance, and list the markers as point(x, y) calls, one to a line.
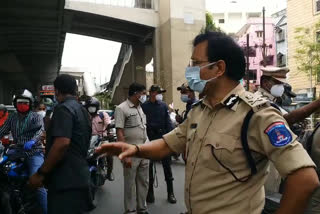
point(185, 98)
point(194, 80)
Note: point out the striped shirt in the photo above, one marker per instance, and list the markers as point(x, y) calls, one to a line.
point(24, 129)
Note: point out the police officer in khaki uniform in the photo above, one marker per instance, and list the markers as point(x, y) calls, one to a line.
point(220, 177)
point(272, 87)
point(130, 122)
point(272, 83)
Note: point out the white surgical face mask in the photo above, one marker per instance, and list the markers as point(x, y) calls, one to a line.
point(159, 97)
point(277, 90)
point(92, 109)
point(143, 98)
point(42, 113)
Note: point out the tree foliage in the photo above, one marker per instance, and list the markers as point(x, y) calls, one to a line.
point(105, 100)
point(210, 25)
point(307, 54)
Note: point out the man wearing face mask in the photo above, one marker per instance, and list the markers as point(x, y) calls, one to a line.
point(100, 123)
point(27, 128)
point(3, 114)
point(272, 88)
point(158, 124)
point(228, 155)
point(272, 84)
point(187, 96)
point(130, 122)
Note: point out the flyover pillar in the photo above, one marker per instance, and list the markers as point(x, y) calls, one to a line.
point(179, 22)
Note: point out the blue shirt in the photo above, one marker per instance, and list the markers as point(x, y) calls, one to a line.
point(25, 129)
point(157, 116)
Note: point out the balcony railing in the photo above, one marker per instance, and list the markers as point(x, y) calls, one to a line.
point(144, 4)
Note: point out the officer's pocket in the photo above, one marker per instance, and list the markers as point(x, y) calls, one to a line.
point(218, 153)
point(133, 120)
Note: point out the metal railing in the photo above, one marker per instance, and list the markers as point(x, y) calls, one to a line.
point(144, 4)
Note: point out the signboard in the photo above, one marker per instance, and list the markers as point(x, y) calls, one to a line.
point(47, 88)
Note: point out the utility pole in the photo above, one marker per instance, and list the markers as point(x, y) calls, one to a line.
point(248, 63)
point(264, 36)
point(311, 88)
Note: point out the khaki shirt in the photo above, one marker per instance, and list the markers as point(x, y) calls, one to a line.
point(133, 121)
point(209, 187)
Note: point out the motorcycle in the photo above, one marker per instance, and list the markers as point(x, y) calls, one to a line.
point(16, 197)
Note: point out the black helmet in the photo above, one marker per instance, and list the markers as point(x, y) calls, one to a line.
point(23, 94)
point(93, 102)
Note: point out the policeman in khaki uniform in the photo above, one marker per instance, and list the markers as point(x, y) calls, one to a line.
point(130, 122)
point(220, 178)
point(272, 88)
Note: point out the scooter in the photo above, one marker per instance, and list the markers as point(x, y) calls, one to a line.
point(16, 197)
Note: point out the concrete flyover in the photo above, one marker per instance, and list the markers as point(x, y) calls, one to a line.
point(32, 38)
point(163, 32)
point(31, 44)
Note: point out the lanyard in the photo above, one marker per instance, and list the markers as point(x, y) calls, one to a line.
point(21, 129)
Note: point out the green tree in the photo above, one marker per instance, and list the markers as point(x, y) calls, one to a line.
point(105, 100)
point(210, 25)
point(307, 54)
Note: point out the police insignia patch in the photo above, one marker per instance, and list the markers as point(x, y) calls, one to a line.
point(278, 134)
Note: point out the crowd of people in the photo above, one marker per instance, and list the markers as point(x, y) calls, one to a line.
point(227, 138)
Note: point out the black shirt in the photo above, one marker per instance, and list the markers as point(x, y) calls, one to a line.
point(70, 120)
point(158, 119)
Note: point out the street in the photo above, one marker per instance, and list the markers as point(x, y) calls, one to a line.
point(109, 198)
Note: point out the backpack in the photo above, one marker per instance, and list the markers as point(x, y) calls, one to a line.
point(101, 115)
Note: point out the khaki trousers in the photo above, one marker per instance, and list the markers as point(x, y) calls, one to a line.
point(136, 185)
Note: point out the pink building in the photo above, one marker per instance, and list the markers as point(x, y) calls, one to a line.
point(254, 28)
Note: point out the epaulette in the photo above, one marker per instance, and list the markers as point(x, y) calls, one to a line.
point(255, 101)
point(198, 103)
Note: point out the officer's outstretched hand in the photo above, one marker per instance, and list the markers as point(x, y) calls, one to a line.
point(120, 149)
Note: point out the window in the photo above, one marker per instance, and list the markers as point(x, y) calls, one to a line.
point(281, 60)
point(221, 21)
point(280, 36)
point(259, 34)
point(317, 4)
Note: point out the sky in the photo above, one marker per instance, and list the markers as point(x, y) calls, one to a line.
point(272, 6)
point(98, 56)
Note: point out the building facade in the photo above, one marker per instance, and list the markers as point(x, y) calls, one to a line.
point(254, 28)
point(231, 15)
point(281, 37)
point(301, 14)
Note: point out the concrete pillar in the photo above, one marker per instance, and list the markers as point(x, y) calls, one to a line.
point(134, 71)
point(180, 21)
